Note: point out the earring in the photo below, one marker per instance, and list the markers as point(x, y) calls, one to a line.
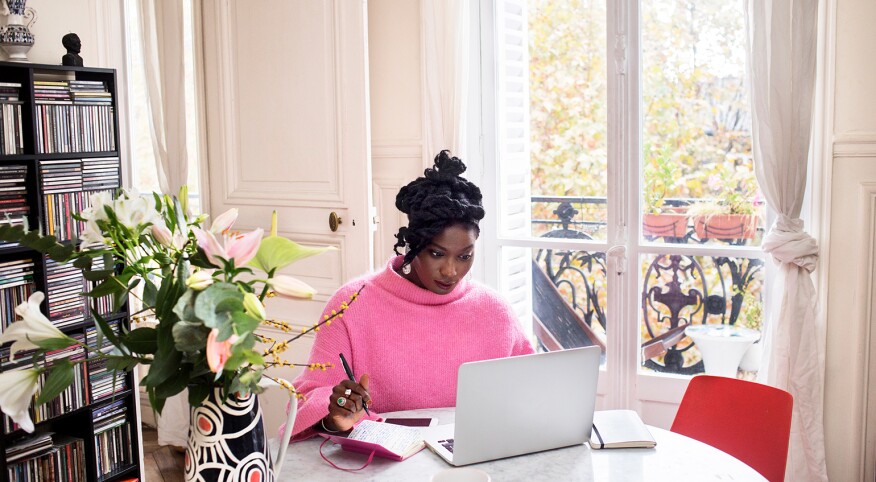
point(406, 269)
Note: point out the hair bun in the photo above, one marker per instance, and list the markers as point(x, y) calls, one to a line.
point(446, 167)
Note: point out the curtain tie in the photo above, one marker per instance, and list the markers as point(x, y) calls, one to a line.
point(788, 243)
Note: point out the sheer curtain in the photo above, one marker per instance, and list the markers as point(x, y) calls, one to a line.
point(445, 74)
point(161, 43)
point(782, 37)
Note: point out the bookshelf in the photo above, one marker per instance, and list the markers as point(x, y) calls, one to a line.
point(59, 144)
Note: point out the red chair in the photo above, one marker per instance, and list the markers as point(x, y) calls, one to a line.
point(747, 420)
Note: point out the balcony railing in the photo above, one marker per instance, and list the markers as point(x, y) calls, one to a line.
point(677, 289)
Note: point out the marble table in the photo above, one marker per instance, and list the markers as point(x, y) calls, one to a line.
point(675, 458)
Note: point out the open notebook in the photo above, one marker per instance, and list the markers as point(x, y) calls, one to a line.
point(387, 440)
point(619, 429)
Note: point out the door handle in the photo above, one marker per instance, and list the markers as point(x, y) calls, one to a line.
point(334, 221)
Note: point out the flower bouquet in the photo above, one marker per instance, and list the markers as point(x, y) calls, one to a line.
point(205, 287)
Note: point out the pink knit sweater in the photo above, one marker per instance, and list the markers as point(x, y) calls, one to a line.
point(409, 341)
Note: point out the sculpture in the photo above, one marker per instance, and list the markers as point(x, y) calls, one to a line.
point(72, 43)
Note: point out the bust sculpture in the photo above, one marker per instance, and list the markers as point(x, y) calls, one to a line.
point(72, 43)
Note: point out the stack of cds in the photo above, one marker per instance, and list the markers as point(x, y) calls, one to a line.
point(13, 195)
point(65, 284)
point(10, 119)
point(46, 456)
point(16, 286)
point(112, 438)
point(100, 173)
point(103, 381)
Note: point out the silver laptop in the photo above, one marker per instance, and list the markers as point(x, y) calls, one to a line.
point(519, 405)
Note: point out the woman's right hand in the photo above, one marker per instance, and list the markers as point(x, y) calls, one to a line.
point(353, 398)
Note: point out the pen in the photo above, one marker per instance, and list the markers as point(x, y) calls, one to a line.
point(351, 377)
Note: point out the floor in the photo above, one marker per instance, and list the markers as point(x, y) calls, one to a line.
point(161, 464)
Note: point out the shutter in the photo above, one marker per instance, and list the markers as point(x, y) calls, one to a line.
point(512, 138)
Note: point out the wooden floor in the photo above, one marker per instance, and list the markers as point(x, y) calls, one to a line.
point(161, 463)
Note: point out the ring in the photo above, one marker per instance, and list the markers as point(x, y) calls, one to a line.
point(342, 401)
point(347, 392)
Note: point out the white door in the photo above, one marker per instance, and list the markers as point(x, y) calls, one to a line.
point(287, 129)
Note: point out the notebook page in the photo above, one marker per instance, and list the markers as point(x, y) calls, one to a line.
point(395, 438)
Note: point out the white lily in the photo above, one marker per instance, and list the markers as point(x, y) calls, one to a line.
point(18, 389)
point(200, 279)
point(32, 328)
point(291, 287)
point(253, 306)
point(224, 221)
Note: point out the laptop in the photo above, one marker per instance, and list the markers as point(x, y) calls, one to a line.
point(520, 405)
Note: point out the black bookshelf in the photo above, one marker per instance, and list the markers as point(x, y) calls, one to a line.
point(54, 139)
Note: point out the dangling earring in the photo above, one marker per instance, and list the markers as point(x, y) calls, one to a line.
point(406, 269)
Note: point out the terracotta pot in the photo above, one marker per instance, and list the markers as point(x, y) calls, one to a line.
point(726, 226)
point(664, 225)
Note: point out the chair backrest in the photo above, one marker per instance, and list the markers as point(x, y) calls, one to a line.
point(747, 420)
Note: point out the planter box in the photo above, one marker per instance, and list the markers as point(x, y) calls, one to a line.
point(664, 225)
point(726, 226)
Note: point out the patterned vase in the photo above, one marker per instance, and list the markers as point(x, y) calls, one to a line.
point(227, 441)
point(16, 38)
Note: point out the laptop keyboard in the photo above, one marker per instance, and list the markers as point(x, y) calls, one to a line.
point(447, 444)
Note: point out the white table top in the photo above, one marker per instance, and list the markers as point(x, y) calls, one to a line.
point(675, 458)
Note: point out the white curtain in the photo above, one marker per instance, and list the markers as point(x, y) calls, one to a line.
point(445, 74)
point(782, 37)
point(161, 41)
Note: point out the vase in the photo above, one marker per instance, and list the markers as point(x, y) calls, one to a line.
point(227, 441)
point(16, 38)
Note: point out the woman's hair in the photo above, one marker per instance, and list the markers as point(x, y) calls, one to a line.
point(439, 199)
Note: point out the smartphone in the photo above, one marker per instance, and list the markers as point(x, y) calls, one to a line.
point(413, 422)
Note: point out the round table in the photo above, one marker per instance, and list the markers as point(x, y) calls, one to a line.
point(675, 458)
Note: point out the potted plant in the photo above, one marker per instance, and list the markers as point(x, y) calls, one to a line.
point(659, 220)
point(733, 215)
point(752, 317)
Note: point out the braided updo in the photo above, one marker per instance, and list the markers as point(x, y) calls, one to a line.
point(439, 199)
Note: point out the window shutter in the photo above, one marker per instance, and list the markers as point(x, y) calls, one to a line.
point(512, 129)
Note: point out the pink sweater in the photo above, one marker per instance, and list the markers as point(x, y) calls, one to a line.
point(408, 340)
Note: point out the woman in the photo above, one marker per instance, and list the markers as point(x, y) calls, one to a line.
point(415, 322)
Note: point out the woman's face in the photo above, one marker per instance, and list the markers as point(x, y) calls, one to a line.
point(444, 261)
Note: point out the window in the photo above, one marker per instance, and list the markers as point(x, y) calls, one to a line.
point(144, 174)
point(622, 145)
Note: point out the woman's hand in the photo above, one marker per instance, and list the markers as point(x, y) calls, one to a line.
point(347, 404)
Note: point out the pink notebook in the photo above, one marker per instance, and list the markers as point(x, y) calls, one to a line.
point(390, 441)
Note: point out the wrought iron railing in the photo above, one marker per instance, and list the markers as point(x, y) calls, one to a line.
point(676, 289)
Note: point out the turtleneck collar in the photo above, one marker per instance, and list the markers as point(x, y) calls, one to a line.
point(390, 280)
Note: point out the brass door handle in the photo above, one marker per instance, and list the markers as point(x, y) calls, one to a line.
point(334, 221)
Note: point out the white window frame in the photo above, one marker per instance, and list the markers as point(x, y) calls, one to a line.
point(655, 396)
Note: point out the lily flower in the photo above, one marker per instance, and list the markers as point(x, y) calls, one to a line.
point(218, 352)
point(241, 248)
point(18, 389)
point(200, 280)
point(291, 287)
point(162, 234)
point(253, 306)
point(224, 221)
point(33, 327)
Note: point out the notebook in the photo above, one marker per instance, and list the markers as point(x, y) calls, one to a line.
point(387, 440)
point(619, 429)
point(519, 405)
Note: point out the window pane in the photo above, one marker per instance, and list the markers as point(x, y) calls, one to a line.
point(698, 176)
point(699, 290)
point(569, 290)
point(567, 82)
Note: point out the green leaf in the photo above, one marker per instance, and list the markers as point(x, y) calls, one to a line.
point(150, 293)
point(105, 330)
point(97, 275)
point(244, 322)
point(60, 377)
point(189, 336)
point(166, 361)
point(83, 263)
point(212, 304)
point(185, 306)
point(142, 340)
point(276, 252)
point(173, 385)
point(157, 403)
point(121, 363)
point(109, 286)
point(50, 344)
point(198, 393)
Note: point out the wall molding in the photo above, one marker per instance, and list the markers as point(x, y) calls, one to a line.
point(400, 148)
point(868, 462)
point(854, 145)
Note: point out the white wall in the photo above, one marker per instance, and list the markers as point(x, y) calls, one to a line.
point(852, 248)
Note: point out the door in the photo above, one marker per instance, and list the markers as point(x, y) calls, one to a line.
point(286, 103)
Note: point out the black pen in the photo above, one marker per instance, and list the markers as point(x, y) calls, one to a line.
point(351, 377)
